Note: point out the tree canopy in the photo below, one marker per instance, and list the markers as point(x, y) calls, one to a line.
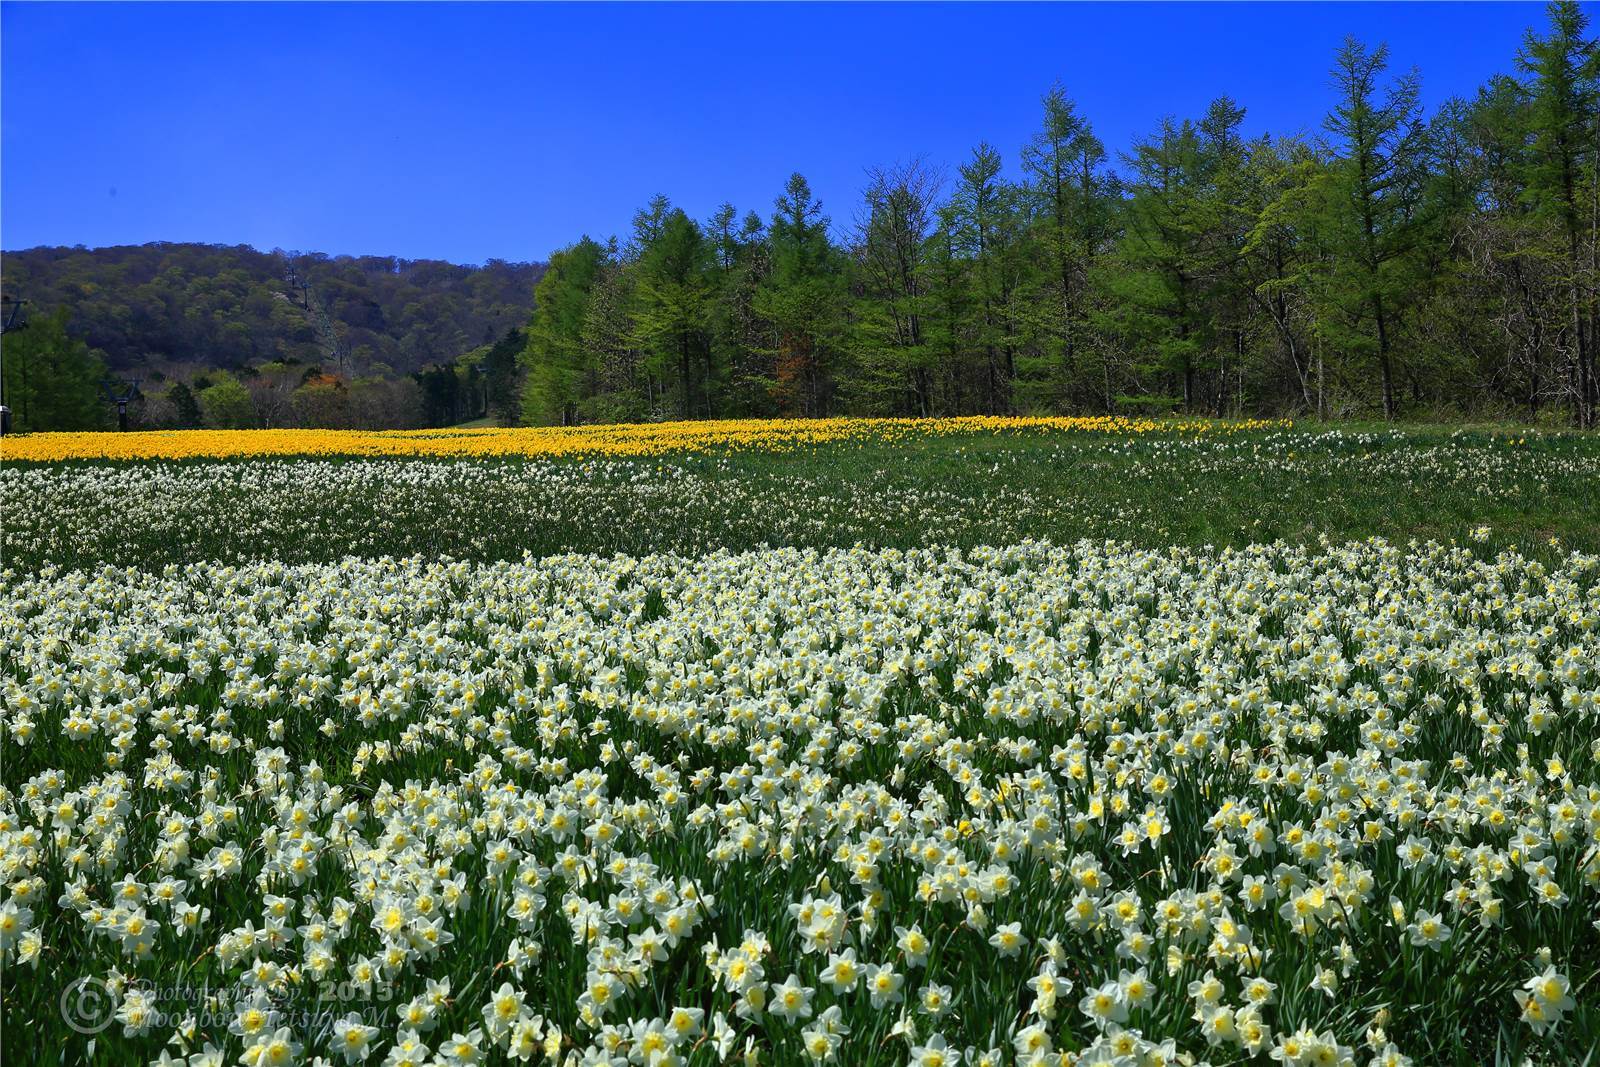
point(1394, 263)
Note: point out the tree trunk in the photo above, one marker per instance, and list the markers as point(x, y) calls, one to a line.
point(685, 403)
point(1322, 396)
point(1384, 363)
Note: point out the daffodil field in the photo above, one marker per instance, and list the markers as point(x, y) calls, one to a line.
point(1084, 742)
point(152, 499)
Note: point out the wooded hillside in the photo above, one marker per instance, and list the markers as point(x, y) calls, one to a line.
point(232, 307)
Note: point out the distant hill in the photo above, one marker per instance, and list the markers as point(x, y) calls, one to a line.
point(164, 305)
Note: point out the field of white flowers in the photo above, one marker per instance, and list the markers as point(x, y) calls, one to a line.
point(1091, 804)
point(1152, 489)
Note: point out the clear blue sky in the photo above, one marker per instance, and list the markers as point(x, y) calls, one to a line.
point(466, 132)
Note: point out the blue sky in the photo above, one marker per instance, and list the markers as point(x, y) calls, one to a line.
point(466, 132)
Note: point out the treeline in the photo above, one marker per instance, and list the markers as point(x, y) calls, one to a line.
point(170, 305)
point(232, 337)
point(481, 383)
point(54, 381)
point(1394, 264)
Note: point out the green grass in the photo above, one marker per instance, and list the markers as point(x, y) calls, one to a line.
point(1152, 490)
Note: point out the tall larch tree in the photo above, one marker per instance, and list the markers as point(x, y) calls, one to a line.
point(803, 300)
point(1563, 185)
point(892, 244)
point(1373, 205)
point(1064, 164)
point(560, 366)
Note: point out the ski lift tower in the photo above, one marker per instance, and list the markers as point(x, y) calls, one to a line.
point(120, 391)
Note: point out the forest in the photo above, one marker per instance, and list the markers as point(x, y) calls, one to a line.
point(281, 338)
point(1396, 264)
point(1390, 264)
